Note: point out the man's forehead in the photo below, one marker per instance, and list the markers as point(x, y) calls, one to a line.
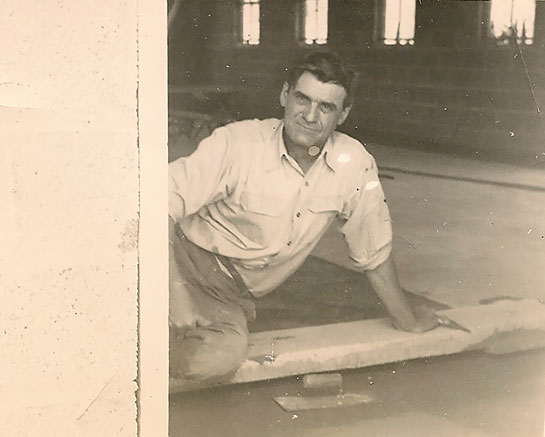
point(311, 86)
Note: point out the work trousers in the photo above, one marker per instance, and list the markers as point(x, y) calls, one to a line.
point(211, 351)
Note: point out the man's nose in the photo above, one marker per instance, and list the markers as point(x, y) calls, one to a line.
point(311, 112)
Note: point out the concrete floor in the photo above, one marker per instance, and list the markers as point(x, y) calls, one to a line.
point(468, 395)
point(458, 241)
point(465, 230)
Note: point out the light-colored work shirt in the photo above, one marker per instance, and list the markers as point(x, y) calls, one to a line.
point(241, 195)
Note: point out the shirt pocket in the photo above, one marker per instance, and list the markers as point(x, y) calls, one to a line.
point(326, 204)
point(262, 220)
point(262, 204)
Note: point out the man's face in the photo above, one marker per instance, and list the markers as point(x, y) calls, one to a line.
point(312, 110)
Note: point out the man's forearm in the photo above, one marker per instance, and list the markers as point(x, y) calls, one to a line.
point(385, 282)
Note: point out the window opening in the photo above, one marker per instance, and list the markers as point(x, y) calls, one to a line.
point(512, 19)
point(315, 21)
point(250, 22)
point(399, 22)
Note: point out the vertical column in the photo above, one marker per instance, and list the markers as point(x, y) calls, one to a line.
point(278, 24)
point(351, 23)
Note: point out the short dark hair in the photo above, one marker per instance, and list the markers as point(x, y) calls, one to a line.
point(327, 67)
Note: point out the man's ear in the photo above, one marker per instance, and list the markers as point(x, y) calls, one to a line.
point(344, 115)
point(284, 94)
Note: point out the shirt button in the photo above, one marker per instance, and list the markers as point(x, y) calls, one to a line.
point(298, 214)
point(289, 243)
point(306, 184)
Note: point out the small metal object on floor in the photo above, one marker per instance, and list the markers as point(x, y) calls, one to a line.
point(322, 391)
point(323, 384)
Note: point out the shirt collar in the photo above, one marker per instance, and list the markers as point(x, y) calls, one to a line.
point(328, 152)
point(279, 141)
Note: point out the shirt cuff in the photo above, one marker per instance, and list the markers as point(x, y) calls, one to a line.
point(372, 263)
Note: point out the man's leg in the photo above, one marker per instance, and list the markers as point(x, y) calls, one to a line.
point(208, 325)
point(182, 312)
point(213, 352)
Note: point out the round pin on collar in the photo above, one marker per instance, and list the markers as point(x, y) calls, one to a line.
point(313, 150)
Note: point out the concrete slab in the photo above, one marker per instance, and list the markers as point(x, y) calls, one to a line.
point(371, 342)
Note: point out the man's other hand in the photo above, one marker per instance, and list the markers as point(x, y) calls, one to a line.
point(187, 319)
point(182, 312)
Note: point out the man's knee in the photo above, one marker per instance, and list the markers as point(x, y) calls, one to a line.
point(208, 354)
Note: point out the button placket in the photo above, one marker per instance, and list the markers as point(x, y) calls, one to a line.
point(299, 208)
point(296, 224)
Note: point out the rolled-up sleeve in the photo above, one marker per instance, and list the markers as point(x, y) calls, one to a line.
point(201, 178)
point(368, 228)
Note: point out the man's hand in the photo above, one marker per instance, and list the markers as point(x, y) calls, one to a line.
point(424, 320)
point(190, 320)
point(386, 284)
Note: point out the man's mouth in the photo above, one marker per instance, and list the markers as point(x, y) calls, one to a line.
point(308, 128)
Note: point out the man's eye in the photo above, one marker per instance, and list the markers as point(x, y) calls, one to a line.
point(300, 98)
point(324, 107)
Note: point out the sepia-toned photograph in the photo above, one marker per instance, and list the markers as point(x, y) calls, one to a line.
point(356, 218)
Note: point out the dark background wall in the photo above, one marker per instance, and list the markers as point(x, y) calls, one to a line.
point(454, 91)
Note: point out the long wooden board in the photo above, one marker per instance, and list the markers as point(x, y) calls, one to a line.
point(499, 327)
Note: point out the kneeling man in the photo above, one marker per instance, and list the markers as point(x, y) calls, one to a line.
point(250, 204)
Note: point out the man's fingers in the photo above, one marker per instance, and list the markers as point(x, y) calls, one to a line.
point(426, 319)
point(424, 310)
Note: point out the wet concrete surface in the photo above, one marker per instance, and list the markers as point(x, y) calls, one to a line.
point(321, 293)
point(470, 394)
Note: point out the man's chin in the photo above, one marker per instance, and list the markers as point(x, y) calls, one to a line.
point(301, 138)
point(304, 140)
